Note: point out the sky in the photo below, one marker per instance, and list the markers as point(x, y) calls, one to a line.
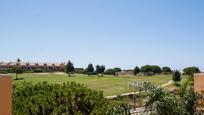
point(122, 33)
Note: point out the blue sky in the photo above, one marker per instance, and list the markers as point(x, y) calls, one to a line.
point(122, 33)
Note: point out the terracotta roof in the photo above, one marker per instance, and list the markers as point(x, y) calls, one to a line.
point(31, 64)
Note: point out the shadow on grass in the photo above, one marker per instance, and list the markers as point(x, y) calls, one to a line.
point(18, 79)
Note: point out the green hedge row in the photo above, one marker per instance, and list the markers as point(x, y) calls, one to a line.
point(69, 98)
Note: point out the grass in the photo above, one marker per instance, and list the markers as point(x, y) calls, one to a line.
point(110, 85)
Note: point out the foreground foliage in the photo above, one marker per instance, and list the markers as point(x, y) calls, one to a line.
point(69, 98)
point(161, 102)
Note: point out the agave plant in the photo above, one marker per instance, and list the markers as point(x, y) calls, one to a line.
point(183, 87)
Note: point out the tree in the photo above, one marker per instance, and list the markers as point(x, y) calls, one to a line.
point(146, 69)
point(110, 72)
point(151, 69)
point(166, 69)
point(90, 69)
point(17, 70)
point(176, 76)
point(156, 69)
point(136, 70)
point(191, 70)
point(113, 71)
point(117, 69)
point(69, 68)
point(100, 69)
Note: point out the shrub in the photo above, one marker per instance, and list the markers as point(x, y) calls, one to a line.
point(166, 70)
point(80, 71)
point(176, 76)
point(68, 98)
point(183, 86)
point(188, 102)
point(38, 71)
point(91, 73)
point(3, 71)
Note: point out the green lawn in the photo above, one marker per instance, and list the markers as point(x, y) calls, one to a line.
point(110, 85)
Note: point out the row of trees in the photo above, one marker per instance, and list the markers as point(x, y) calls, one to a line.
point(100, 69)
point(146, 70)
point(69, 69)
point(152, 69)
point(155, 69)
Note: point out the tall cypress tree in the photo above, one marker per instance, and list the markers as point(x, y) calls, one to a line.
point(69, 68)
point(136, 70)
point(90, 69)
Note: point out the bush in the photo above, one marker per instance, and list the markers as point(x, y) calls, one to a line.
point(38, 71)
point(3, 71)
point(68, 98)
point(91, 73)
point(176, 76)
point(80, 71)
